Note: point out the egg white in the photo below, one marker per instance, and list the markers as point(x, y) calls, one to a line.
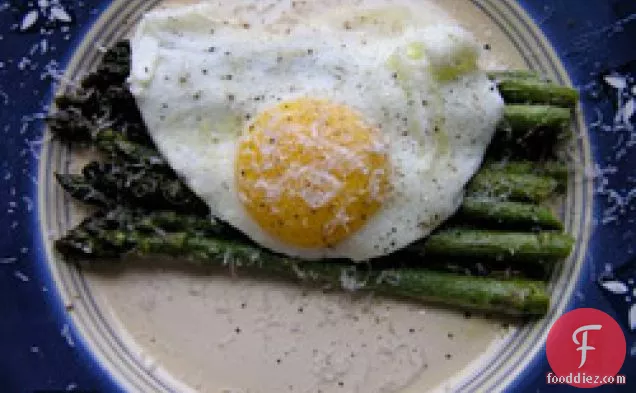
point(199, 78)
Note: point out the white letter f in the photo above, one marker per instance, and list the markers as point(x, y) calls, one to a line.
point(584, 347)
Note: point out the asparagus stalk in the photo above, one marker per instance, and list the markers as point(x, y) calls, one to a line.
point(138, 154)
point(522, 119)
point(80, 189)
point(102, 101)
point(511, 186)
point(507, 214)
point(161, 221)
point(114, 68)
point(133, 185)
point(554, 169)
point(513, 297)
point(496, 245)
point(525, 91)
point(473, 209)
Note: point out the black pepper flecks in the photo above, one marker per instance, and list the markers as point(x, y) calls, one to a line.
point(237, 330)
point(448, 356)
point(230, 97)
point(451, 335)
point(487, 46)
point(211, 49)
point(411, 330)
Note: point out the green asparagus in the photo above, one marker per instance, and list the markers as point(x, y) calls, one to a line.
point(496, 245)
point(507, 214)
point(513, 297)
point(130, 184)
point(116, 143)
point(480, 210)
point(524, 119)
point(80, 189)
point(554, 169)
point(519, 91)
point(511, 186)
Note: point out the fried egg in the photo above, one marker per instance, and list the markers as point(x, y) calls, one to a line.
point(342, 134)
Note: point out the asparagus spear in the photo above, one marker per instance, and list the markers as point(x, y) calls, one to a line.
point(511, 186)
point(496, 245)
point(521, 119)
point(526, 91)
point(114, 68)
point(513, 297)
point(120, 147)
point(133, 185)
point(554, 169)
point(507, 214)
point(102, 101)
point(481, 210)
point(80, 189)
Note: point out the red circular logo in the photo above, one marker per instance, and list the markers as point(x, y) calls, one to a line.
point(585, 348)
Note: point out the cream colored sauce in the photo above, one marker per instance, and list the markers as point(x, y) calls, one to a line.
point(218, 334)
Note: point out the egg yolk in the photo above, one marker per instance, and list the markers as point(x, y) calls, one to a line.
point(311, 172)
